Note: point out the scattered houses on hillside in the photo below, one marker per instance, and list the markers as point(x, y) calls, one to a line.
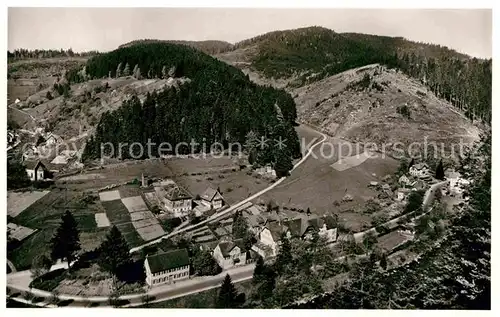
point(167, 267)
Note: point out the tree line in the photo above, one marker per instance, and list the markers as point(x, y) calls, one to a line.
point(22, 53)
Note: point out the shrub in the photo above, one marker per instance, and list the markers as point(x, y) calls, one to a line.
point(49, 281)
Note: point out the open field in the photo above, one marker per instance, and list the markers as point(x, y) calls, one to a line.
point(316, 185)
point(45, 215)
point(19, 201)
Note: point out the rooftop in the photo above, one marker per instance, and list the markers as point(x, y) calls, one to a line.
point(172, 192)
point(210, 194)
point(227, 246)
point(168, 260)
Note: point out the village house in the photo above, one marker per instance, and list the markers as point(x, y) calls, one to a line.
point(173, 198)
point(212, 198)
point(168, 267)
point(420, 170)
point(36, 170)
point(267, 171)
point(30, 153)
point(52, 139)
point(268, 242)
point(328, 230)
point(229, 254)
point(404, 180)
point(402, 193)
point(304, 227)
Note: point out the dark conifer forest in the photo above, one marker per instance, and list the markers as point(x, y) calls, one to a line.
point(217, 104)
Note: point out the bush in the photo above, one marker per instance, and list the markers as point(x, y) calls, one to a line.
point(404, 111)
point(49, 281)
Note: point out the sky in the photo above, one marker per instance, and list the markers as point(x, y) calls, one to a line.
point(465, 30)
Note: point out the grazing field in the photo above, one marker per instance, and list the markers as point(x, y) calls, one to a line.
point(45, 215)
point(19, 201)
point(235, 186)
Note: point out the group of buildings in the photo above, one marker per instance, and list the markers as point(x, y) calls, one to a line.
point(268, 228)
point(173, 199)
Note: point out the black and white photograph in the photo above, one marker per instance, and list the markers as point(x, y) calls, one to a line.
point(248, 158)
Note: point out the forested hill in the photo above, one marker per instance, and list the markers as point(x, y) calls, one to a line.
point(208, 47)
point(218, 104)
point(313, 53)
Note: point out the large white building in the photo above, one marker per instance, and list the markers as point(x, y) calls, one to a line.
point(174, 199)
point(168, 267)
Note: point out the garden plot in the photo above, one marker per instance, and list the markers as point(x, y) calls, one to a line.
point(109, 195)
point(145, 223)
point(150, 232)
point(139, 215)
point(102, 220)
point(134, 204)
point(18, 202)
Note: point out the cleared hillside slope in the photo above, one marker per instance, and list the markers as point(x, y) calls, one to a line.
point(367, 104)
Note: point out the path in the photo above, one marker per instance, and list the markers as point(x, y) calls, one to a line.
point(22, 111)
point(12, 267)
point(235, 206)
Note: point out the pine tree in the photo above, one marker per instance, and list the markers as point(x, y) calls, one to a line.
point(283, 164)
point(383, 262)
point(440, 170)
point(227, 294)
point(284, 257)
point(119, 70)
point(126, 71)
point(164, 72)
point(114, 252)
point(259, 271)
point(66, 242)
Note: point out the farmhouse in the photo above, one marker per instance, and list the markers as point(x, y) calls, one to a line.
point(168, 267)
point(174, 199)
point(303, 227)
point(229, 253)
point(420, 170)
point(30, 152)
point(402, 193)
point(52, 139)
point(36, 170)
point(403, 180)
point(212, 198)
point(269, 238)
